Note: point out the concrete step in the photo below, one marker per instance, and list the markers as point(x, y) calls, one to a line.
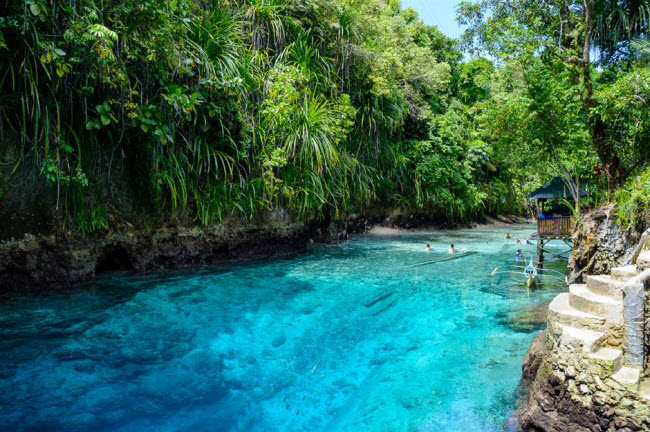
point(610, 360)
point(582, 299)
point(627, 375)
point(624, 273)
point(606, 286)
point(560, 311)
point(643, 261)
point(580, 339)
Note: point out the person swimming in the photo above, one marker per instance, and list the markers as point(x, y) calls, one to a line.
point(428, 248)
point(519, 255)
point(452, 249)
point(508, 236)
point(518, 241)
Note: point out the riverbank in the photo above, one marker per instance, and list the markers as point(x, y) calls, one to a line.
point(62, 261)
point(66, 259)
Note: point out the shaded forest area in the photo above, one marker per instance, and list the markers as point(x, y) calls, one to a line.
point(185, 111)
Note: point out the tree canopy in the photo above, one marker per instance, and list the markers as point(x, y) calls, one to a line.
point(195, 111)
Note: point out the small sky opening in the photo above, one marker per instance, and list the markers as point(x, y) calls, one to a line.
point(439, 13)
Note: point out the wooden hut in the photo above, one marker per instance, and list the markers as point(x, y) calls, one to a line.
point(550, 225)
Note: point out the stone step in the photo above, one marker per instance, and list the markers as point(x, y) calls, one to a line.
point(627, 375)
point(643, 261)
point(605, 285)
point(560, 311)
point(624, 273)
point(610, 360)
point(579, 339)
point(582, 299)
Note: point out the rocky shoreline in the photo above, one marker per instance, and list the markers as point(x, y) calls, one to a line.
point(65, 259)
point(55, 262)
point(566, 394)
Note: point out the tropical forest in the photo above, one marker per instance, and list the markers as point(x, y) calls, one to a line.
point(302, 215)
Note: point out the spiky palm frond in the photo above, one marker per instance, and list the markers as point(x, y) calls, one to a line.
point(619, 23)
point(347, 35)
point(311, 142)
point(304, 53)
point(215, 42)
point(266, 20)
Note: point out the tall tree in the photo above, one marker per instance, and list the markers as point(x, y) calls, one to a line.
point(573, 30)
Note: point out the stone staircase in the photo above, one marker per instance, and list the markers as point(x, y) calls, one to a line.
point(591, 321)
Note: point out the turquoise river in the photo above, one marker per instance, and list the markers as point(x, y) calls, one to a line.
point(358, 336)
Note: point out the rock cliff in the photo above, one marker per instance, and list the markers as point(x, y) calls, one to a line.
point(56, 261)
point(588, 367)
point(46, 262)
point(599, 244)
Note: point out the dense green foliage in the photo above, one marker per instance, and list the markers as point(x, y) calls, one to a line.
point(634, 201)
point(198, 111)
point(588, 57)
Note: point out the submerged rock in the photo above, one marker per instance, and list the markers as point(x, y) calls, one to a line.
point(525, 320)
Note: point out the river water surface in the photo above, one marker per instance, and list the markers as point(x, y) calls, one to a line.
point(348, 337)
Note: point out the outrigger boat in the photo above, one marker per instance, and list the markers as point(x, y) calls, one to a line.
point(530, 272)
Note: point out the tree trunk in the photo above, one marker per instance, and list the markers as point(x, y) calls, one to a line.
point(610, 160)
point(597, 128)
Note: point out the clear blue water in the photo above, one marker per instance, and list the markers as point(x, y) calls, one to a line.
point(293, 344)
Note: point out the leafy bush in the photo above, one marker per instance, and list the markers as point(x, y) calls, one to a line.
point(634, 201)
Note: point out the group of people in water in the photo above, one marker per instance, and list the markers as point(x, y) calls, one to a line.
point(519, 255)
point(528, 242)
point(452, 249)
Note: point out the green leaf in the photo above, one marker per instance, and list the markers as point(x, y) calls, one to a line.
point(105, 119)
point(144, 128)
point(36, 9)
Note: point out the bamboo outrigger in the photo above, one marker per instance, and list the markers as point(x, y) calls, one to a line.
point(530, 273)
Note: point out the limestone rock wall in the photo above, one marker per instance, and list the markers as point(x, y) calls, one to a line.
point(599, 244)
point(588, 367)
point(59, 261)
point(572, 393)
